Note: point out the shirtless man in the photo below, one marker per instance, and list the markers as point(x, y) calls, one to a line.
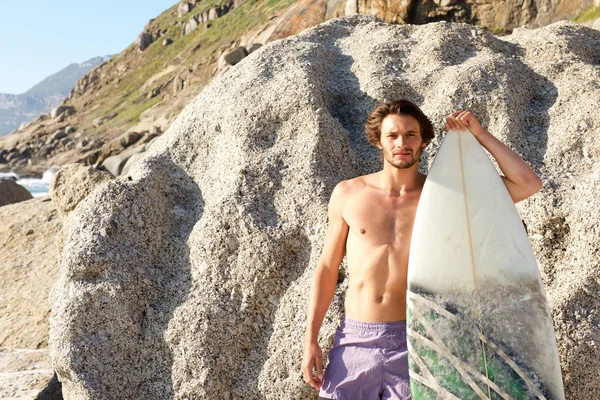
point(370, 221)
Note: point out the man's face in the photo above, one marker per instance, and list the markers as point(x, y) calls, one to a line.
point(401, 141)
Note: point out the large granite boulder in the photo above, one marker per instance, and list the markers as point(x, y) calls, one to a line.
point(189, 278)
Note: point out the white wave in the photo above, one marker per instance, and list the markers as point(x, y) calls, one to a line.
point(38, 187)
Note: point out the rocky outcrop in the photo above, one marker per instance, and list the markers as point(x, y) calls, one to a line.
point(190, 26)
point(594, 24)
point(27, 374)
point(494, 15)
point(200, 18)
point(183, 8)
point(116, 164)
point(148, 36)
point(29, 260)
point(62, 110)
point(202, 258)
point(236, 55)
point(11, 192)
point(72, 183)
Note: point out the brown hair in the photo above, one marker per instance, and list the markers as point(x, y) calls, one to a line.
point(398, 107)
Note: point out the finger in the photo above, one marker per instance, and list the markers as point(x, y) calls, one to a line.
point(455, 113)
point(464, 117)
point(450, 123)
point(459, 124)
point(319, 368)
point(454, 122)
point(319, 383)
point(308, 378)
point(311, 381)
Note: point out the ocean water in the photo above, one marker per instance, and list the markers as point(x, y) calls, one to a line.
point(38, 187)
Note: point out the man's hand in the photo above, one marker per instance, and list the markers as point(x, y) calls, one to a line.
point(520, 180)
point(461, 120)
point(312, 358)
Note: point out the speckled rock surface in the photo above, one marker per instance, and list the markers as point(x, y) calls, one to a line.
point(29, 262)
point(72, 182)
point(24, 374)
point(191, 279)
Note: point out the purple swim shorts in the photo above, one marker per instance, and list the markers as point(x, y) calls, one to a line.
point(368, 361)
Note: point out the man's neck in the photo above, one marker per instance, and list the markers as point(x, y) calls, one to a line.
point(398, 181)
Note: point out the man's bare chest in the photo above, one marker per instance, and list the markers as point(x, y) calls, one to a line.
point(378, 221)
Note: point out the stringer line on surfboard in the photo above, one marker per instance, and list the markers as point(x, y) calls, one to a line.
point(449, 356)
point(445, 313)
point(456, 363)
point(462, 173)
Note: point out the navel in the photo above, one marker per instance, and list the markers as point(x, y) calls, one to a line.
point(380, 299)
point(363, 231)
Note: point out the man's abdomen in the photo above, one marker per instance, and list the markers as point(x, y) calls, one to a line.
point(379, 300)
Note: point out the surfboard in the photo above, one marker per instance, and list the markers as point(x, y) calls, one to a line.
point(478, 323)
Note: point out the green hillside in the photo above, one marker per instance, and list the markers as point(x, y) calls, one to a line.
point(127, 101)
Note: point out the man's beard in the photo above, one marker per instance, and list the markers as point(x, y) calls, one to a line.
point(404, 163)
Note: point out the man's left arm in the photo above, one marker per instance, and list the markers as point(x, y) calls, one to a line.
point(519, 178)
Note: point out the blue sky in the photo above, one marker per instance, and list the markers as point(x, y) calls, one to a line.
point(41, 37)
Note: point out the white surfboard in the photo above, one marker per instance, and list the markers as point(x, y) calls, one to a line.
point(479, 326)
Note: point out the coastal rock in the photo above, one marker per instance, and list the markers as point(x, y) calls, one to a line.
point(97, 122)
point(29, 265)
point(26, 374)
point(130, 161)
point(183, 8)
point(190, 26)
point(117, 145)
point(59, 134)
point(189, 278)
point(236, 55)
point(11, 192)
point(253, 47)
point(115, 164)
point(62, 110)
point(72, 183)
point(213, 14)
point(129, 138)
point(594, 24)
point(494, 15)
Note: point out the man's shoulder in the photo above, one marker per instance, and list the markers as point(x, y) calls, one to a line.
point(350, 185)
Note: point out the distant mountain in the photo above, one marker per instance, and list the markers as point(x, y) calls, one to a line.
point(18, 108)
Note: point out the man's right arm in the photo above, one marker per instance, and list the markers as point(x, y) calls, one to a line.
point(324, 283)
